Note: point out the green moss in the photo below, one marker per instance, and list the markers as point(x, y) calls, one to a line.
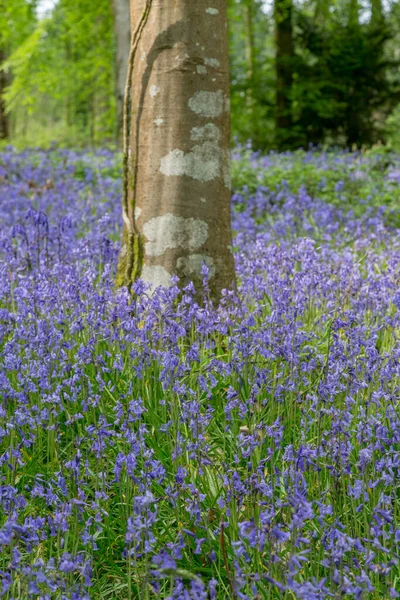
point(130, 261)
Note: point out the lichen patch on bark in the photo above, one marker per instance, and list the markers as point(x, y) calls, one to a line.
point(212, 62)
point(169, 232)
point(191, 266)
point(154, 90)
point(202, 163)
point(156, 276)
point(209, 132)
point(207, 104)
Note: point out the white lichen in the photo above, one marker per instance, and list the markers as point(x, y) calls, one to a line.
point(169, 232)
point(159, 121)
point(138, 212)
point(201, 70)
point(202, 163)
point(156, 276)
point(154, 90)
point(212, 62)
point(190, 266)
point(209, 132)
point(207, 104)
point(227, 104)
point(212, 11)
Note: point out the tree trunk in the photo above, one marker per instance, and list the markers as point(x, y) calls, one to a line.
point(251, 67)
point(354, 13)
point(377, 16)
point(322, 11)
point(177, 211)
point(283, 10)
point(122, 28)
point(4, 118)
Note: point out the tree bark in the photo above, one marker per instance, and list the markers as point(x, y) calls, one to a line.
point(122, 28)
point(283, 10)
point(4, 118)
point(177, 213)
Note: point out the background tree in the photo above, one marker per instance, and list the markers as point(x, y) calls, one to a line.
point(343, 90)
point(252, 66)
point(377, 15)
point(177, 192)
point(4, 118)
point(321, 11)
point(354, 14)
point(64, 73)
point(17, 18)
point(339, 82)
point(283, 12)
point(122, 28)
point(252, 59)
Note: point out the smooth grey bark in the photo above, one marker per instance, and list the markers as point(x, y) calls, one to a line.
point(178, 208)
point(122, 29)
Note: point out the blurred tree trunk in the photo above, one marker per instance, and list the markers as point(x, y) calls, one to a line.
point(322, 11)
point(177, 210)
point(354, 13)
point(377, 16)
point(352, 116)
point(283, 11)
point(68, 102)
point(251, 60)
point(4, 117)
point(122, 28)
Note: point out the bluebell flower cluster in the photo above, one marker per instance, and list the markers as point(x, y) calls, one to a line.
point(158, 447)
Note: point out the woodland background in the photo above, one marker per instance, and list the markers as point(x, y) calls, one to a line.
point(305, 72)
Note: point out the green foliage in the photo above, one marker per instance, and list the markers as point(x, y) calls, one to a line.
point(345, 75)
point(342, 88)
point(252, 92)
point(16, 20)
point(362, 180)
point(393, 129)
point(26, 80)
point(63, 74)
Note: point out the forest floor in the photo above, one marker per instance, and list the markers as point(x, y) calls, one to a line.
point(161, 449)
